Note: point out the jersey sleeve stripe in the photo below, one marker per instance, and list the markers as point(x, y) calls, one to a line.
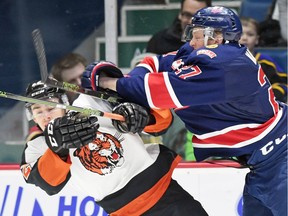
point(151, 63)
point(145, 66)
point(171, 91)
point(159, 91)
point(236, 138)
point(52, 168)
point(274, 104)
point(156, 63)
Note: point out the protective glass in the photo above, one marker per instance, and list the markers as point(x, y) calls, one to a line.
point(188, 32)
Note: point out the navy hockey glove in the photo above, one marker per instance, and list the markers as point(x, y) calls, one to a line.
point(136, 118)
point(92, 73)
point(71, 131)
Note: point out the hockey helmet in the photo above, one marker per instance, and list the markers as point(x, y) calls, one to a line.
point(216, 18)
point(40, 90)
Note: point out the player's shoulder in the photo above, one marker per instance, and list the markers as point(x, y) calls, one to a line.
point(204, 54)
point(209, 51)
point(184, 50)
point(217, 51)
point(37, 141)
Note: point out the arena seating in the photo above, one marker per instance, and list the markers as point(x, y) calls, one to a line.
point(279, 54)
point(257, 9)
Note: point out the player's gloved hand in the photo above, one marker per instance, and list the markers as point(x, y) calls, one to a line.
point(136, 118)
point(93, 72)
point(73, 130)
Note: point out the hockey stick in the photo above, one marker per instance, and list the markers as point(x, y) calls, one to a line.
point(77, 89)
point(40, 52)
point(85, 111)
point(41, 56)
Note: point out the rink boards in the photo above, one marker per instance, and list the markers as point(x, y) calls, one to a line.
point(217, 187)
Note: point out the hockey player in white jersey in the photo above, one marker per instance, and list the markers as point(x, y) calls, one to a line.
point(124, 176)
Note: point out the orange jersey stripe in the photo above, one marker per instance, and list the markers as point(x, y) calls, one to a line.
point(52, 168)
point(148, 199)
point(163, 119)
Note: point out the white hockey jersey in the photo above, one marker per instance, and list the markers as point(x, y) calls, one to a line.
point(118, 170)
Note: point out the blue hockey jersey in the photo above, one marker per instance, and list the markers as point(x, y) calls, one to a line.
point(220, 92)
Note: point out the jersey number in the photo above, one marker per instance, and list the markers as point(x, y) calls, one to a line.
point(195, 71)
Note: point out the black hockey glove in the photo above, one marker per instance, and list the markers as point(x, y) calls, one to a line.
point(136, 118)
point(71, 131)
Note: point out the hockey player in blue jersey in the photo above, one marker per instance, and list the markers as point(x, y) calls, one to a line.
point(218, 89)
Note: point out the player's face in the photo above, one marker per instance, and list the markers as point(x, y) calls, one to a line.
point(249, 36)
point(73, 75)
point(42, 114)
point(197, 40)
point(190, 7)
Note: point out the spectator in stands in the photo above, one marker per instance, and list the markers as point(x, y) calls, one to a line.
point(169, 39)
point(276, 75)
point(282, 7)
point(69, 69)
point(271, 30)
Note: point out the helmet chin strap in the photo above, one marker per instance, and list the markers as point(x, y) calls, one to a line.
point(206, 38)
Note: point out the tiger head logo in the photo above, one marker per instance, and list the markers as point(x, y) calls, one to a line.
point(103, 154)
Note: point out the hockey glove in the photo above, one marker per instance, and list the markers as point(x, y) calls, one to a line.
point(70, 131)
point(136, 118)
point(94, 71)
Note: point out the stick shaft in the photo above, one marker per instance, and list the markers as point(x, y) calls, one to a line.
point(85, 111)
point(40, 52)
point(77, 89)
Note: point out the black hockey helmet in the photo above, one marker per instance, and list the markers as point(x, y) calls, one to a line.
point(40, 90)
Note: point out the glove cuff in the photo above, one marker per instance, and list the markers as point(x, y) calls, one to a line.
point(104, 69)
point(52, 143)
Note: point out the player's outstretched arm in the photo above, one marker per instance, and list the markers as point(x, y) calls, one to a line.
point(108, 83)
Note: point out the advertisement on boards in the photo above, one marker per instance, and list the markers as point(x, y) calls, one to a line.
point(218, 189)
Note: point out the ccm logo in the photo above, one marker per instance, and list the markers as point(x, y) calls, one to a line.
point(270, 145)
point(50, 134)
